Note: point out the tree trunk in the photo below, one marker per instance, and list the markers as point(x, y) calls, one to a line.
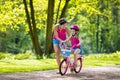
point(115, 22)
point(64, 9)
point(49, 26)
point(33, 34)
point(97, 33)
point(58, 12)
point(29, 23)
point(37, 45)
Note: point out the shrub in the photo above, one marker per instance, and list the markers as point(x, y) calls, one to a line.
point(5, 55)
point(21, 56)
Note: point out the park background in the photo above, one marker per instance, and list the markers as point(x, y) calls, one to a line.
point(26, 31)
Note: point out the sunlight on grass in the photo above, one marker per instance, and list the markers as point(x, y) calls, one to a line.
point(102, 59)
point(28, 65)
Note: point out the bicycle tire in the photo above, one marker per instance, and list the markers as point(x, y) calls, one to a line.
point(79, 65)
point(63, 64)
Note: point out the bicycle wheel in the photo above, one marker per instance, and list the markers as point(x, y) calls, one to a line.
point(79, 65)
point(63, 67)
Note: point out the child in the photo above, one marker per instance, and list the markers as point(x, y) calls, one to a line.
point(75, 42)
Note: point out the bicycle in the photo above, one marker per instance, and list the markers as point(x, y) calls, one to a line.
point(66, 62)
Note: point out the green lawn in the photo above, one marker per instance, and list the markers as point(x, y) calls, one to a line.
point(102, 59)
point(7, 66)
point(28, 65)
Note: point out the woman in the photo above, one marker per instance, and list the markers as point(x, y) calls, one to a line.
point(60, 32)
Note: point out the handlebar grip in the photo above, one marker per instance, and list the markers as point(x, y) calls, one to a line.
point(62, 45)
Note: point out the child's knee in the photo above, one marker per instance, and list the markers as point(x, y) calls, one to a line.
point(77, 51)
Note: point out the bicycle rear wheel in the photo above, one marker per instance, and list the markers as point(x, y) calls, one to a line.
point(79, 65)
point(63, 67)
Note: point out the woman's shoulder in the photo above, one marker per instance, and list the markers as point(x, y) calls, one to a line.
point(67, 29)
point(56, 27)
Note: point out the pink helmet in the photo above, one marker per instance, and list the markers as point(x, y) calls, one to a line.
point(75, 27)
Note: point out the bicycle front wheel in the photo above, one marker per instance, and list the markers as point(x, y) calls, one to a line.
point(63, 67)
point(79, 65)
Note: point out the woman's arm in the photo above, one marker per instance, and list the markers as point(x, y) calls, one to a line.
point(68, 32)
point(68, 38)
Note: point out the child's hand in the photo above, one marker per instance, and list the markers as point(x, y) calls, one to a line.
point(78, 45)
point(73, 46)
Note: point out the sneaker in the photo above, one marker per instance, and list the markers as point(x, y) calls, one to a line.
point(71, 70)
point(74, 65)
point(58, 72)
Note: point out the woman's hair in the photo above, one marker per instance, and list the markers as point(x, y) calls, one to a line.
point(62, 21)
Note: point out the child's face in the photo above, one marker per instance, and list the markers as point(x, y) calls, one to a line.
point(73, 31)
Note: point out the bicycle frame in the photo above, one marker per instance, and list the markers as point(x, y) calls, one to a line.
point(69, 63)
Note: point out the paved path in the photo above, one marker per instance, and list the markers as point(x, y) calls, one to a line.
point(89, 73)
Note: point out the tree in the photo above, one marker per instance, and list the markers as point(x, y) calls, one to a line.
point(64, 9)
point(58, 12)
point(49, 26)
point(32, 27)
point(116, 21)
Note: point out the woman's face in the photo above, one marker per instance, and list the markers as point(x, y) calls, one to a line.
point(73, 31)
point(63, 26)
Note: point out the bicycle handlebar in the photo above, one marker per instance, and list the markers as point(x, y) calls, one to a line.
point(62, 45)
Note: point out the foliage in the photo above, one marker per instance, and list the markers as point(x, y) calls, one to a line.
point(23, 56)
point(13, 24)
point(5, 56)
point(97, 32)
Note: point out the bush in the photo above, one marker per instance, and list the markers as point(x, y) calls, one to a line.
point(5, 55)
point(113, 56)
point(23, 56)
point(52, 56)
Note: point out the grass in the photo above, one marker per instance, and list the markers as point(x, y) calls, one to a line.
point(7, 66)
point(29, 65)
point(102, 59)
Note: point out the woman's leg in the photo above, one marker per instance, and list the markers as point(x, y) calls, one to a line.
point(57, 53)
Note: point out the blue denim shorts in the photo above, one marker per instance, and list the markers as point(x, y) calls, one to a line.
point(81, 50)
point(56, 41)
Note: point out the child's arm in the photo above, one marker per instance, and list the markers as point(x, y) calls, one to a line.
point(79, 42)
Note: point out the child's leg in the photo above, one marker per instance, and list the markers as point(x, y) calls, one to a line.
point(82, 51)
point(76, 53)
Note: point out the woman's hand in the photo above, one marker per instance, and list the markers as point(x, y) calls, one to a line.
point(62, 41)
